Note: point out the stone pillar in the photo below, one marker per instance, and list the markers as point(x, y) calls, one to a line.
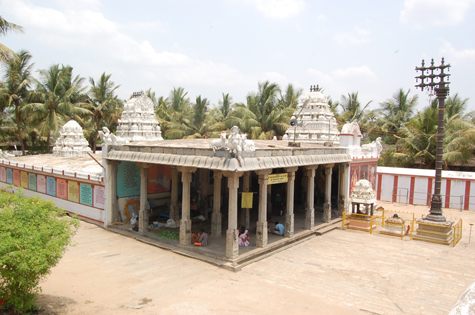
point(261, 231)
point(143, 215)
point(216, 217)
point(185, 222)
point(112, 206)
point(269, 200)
point(289, 215)
point(343, 188)
point(310, 208)
point(232, 244)
point(174, 211)
point(246, 212)
point(327, 206)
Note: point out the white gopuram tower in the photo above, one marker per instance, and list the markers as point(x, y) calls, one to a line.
point(313, 121)
point(138, 121)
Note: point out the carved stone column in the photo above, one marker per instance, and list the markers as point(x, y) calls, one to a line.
point(216, 218)
point(261, 231)
point(327, 206)
point(246, 212)
point(289, 216)
point(343, 188)
point(174, 198)
point(232, 244)
point(112, 206)
point(310, 210)
point(185, 223)
point(143, 215)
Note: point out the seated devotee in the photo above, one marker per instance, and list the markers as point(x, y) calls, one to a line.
point(279, 229)
point(243, 237)
point(203, 239)
point(194, 237)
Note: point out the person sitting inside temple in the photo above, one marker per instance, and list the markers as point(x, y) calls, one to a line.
point(194, 237)
point(243, 237)
point(202, 239)
point(279, 229)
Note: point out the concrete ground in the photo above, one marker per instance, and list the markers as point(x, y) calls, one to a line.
point(341, 272)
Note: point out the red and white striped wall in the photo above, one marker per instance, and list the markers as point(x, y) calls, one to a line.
point(416, 186)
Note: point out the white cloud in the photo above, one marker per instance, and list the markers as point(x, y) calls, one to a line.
point(321, 78)
point(420, 13)
point(341, 81)
point(355, 73)
point(459, 55)
point(72, 23)
point(355, 37)
point(278, 9)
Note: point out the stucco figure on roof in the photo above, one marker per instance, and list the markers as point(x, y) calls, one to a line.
point(138, 121)
point(315, 122)
point(235, 144)
point(71, 141)
point(110, 138)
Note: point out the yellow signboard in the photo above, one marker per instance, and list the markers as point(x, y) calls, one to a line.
point(278, 178)
point(246, 201)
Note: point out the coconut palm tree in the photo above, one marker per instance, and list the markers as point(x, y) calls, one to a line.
point(262, 117)
point(173, 111)
point(102, 103)
point(396, 112)
point(56, 100)
point(15, 89)
point(5, 27)
point(223, 115)
point(417, 140)
point(352, 107)
point(198, 125)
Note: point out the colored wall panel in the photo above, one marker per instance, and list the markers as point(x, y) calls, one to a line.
point(86, 194)
point(32, 181)
point(51, 186)
point(159, 179)
point(100, 197)
point(24, 179)
point(16, 177)
point(3, 174)
point(41, 183)
point(128, 180)
point(9, 176)
point(73, 191)
point(62, 188)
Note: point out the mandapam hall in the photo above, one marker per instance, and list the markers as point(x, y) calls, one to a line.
point(232, 182)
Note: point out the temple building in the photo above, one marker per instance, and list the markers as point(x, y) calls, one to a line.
point(71, 141)
point(233, 181)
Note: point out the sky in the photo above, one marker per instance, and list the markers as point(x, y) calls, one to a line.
point(211, 47)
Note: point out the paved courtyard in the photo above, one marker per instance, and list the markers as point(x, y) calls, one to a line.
point(341, 272)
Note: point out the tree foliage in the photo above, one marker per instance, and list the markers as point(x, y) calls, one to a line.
point(34, 236)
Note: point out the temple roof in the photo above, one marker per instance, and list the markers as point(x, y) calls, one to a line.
point(197, 153)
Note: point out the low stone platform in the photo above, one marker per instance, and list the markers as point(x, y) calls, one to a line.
point(436, 232)
point(360, 223)
point(215, 254)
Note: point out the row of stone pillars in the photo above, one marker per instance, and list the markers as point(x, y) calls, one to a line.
point(232, 249)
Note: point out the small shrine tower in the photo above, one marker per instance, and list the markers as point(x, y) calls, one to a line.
point(313, 121)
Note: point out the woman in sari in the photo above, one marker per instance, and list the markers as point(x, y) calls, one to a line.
point(243, 237)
